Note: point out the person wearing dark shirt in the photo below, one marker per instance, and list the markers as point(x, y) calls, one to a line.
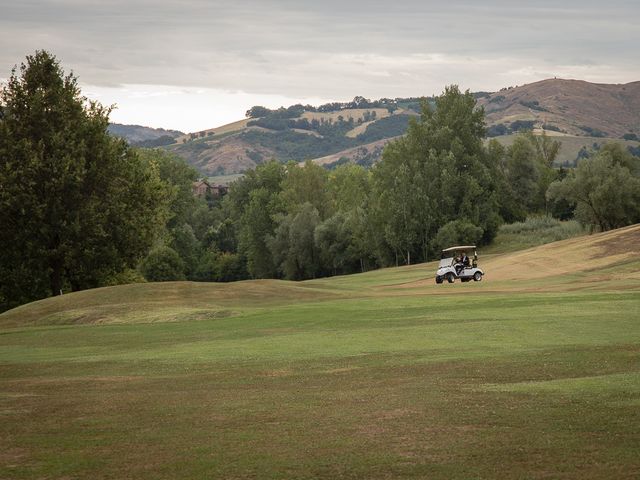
point(463, 262)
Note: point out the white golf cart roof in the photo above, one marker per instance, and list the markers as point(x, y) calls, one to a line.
point(462, 247)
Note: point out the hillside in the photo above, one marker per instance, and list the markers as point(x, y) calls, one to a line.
point(533, 373)
point(138, 135)
point(309, 135)
point(581, 113)
point(571, 146)
point(572, 107)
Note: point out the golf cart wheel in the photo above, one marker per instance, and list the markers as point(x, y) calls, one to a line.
point(439, 279)
point(477, 276)
point(450, 277)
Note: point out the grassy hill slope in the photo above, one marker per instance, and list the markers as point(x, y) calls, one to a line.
point(574, 107)
point(532, 373)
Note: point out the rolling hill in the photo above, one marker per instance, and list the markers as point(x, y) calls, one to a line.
point(349, 132)
point(581, 114)
point(143, 136)
point(569, 107)
point(594, 262)
point(532, 373)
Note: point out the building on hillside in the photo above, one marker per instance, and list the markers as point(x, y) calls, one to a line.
point(219, 190)
point(203, 188)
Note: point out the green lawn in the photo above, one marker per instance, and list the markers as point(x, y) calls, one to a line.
point(335, 378)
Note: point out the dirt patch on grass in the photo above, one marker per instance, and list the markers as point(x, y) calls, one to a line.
point(626, 241)
point(379, 423)
point(74, 380)
point(282, 372)
point(340, 370)
point(13, 457)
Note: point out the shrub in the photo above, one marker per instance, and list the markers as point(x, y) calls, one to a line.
point(126, 277)
point(533, 105)
point(221, 267)
point(593, 132)
point(497, 130)
point(163, 264)
point(519, 125)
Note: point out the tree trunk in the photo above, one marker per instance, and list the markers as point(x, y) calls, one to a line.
point(55, 277)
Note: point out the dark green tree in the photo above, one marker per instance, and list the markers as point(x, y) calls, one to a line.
point(163, 264)
point(458, 232)
point(438, 172)
point(215, 266)
point(293, 247)
point(605, 189)
point(510, 206)
point(523, 172)
point(334, 243)
point(350, 191)
point(179, 178)
point(257, 111)
point(528, 168)
point(306, 184)
point(252, 204)
point(185, 243)
point(76, 205)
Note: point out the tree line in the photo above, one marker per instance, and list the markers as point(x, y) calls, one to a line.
point(294, 111)
point(438, 185)
point(81, 209)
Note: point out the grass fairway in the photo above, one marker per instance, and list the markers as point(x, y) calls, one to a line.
point(532, 373)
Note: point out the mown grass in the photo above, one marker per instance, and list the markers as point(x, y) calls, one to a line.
point(353, 377)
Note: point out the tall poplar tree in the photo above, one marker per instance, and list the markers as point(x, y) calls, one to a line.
point(438, 173)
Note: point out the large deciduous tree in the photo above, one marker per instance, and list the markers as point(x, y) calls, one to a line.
point(605, 189)
point(253, 203)
point(437, 173)
point(76, 205)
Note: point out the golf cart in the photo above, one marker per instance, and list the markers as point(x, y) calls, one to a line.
point(452, 266)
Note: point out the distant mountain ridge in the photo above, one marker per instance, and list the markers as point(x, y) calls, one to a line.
point(136, 134)
point(582, 112)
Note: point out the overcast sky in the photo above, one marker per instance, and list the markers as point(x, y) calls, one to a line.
point(197, 64)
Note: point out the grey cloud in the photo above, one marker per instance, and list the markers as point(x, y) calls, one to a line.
point(330, 49)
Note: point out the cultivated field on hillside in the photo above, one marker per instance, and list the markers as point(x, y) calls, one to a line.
point(221, 130)
point(532, 373)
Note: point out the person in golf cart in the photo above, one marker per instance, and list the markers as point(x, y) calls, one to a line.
point(455, 264)
point(461, 262)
